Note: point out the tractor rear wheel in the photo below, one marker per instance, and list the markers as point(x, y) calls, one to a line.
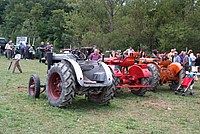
point(154, 76)
point(181, 75)
point(141, 91)
point(60, 85)
point(34, 86)
point(102, 95)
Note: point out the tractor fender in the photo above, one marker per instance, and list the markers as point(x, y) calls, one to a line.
point(116, 70)
point(109, 76)
point(139, 72)
point(156, 64)
point(175, 68)
point(77, 71)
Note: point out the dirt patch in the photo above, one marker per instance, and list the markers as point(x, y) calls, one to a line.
point(157, 104)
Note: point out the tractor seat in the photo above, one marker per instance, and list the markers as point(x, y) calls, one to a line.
point(87, 65)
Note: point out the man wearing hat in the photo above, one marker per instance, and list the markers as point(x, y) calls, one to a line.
point(8, 49)
point(176, 57)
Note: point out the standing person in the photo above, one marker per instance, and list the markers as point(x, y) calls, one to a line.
point(128, 51)
point(42, 51)
point(113, 54)
point(181, 56)
point(31, 52)
point(26, 51)
point(171, 54)
point(95, 55)
point(8, 49)
point(142, 54)
point(22, 50)
point(48, 47)
point(186, 62)
point(176, 57)
point(192, 57)
point(197, 62)
point(17, 59)
point(155, 54)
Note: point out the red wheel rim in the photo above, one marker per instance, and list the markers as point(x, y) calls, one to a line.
point(32, 87)
point(55, 86)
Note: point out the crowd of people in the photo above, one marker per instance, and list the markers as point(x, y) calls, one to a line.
point(25, 51)
point(186, 59)
point(28, 51)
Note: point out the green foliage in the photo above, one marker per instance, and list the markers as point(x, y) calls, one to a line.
point(160, 24)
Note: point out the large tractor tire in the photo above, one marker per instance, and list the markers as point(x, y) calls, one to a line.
point(34, 86)
point(141, 91)
point(60, 85)
point(116, 83)
point(102, 95)
point(154, 77)
point(181, 75)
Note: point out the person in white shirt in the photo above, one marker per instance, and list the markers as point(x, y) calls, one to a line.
point(128, 51)
point(176, 57)
point(8, 49)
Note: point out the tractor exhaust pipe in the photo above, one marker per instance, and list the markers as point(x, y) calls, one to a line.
point(49, 59)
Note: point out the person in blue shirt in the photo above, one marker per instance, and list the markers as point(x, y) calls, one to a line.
point(22, 50)
point(176, 57)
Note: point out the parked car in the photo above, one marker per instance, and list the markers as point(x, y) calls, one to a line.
point(3, 43)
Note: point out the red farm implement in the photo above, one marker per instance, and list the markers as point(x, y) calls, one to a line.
point(129, 74)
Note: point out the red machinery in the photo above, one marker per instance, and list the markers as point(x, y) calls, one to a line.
point(128, 74)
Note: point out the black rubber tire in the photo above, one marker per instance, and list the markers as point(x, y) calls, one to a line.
point(60, 85)
point(155, 76)
point(116, 81)
point(181, 75)
point(141, 91)
point(34, 86)
point(102, 95)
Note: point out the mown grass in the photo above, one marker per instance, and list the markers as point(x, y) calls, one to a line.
point(155, 113)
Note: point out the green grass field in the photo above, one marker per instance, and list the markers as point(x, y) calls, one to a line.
point(155, 113)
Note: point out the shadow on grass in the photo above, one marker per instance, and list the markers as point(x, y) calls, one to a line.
point(80, 103)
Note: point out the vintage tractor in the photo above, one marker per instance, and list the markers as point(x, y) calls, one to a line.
point(164, 71)
point(128, 74)
point(69, 75)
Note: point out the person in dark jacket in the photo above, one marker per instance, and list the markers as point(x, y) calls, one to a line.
point(197, 62)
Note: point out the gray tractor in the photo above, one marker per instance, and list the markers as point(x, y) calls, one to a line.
point(71, 74)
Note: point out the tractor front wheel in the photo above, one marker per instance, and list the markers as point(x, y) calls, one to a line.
point(60, 85)
point(155, 76)
point(141, 91)
point(34, 86)
point(116, 83)
point(102, 95)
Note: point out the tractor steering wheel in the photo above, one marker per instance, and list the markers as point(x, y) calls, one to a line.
point(78, 55)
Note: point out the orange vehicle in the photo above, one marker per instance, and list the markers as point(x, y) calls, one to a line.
point(164, 71)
